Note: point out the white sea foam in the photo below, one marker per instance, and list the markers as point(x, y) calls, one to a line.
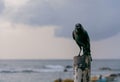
point(54, 66)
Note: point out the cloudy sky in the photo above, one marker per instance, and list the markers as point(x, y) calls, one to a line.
point(42, 29)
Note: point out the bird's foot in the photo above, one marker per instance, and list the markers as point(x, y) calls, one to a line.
point(78, 54)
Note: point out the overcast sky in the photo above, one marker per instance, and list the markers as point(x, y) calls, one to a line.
point(42, 29)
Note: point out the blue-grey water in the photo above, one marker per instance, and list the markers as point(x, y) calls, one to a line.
point(49, 70)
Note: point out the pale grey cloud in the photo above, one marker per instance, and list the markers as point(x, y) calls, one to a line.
point(100, 17)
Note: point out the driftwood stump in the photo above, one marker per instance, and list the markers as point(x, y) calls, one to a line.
point(82, 67)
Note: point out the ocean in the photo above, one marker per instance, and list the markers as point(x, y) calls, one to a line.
point(49, 70)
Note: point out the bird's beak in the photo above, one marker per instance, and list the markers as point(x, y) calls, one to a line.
point(76, 30)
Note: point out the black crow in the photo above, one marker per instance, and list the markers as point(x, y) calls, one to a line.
point(82, 39)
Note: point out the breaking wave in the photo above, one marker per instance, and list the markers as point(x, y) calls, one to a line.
point(47, 68)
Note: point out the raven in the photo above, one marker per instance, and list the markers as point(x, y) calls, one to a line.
point(82, 39)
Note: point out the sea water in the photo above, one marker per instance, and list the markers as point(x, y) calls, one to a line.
point(49, 70)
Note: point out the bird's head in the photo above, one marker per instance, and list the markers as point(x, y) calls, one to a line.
point(78, 27)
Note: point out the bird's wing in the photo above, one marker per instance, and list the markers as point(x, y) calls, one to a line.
point(73, 35)
point(87, 39)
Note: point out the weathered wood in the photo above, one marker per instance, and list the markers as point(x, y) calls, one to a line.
point(82, 66)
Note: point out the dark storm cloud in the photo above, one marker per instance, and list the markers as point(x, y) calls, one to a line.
point(1, 6)
point(99, 17)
